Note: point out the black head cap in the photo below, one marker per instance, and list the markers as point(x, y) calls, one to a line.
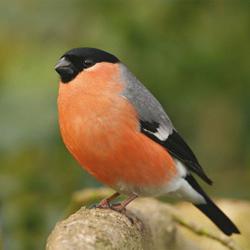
point(76, 60)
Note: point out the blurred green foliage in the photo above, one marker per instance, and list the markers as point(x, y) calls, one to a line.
point(193, 55)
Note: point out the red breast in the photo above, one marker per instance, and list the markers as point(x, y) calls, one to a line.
point(101, 129)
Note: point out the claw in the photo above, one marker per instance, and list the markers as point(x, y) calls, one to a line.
point(118, 207)
point(104, 204)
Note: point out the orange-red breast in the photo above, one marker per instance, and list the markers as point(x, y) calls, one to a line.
point(117, 130)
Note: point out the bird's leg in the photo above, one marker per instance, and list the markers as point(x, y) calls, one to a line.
point(121, 207)
point(105, 203)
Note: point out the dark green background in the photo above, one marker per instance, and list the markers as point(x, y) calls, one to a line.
point(193, 55)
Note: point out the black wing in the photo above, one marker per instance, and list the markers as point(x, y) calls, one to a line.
point(177, 147)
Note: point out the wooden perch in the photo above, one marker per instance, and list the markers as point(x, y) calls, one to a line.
point(158, 226)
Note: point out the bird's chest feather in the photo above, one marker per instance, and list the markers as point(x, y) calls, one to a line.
point(96, 125)
point(101, 129)
point(95, 120)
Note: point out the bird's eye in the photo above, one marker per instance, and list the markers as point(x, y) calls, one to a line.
point(88, 63)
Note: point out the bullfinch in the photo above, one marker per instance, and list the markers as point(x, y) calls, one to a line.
point(118, 131)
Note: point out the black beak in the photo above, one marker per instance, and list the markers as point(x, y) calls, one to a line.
point(64, 66)
point(65, 69)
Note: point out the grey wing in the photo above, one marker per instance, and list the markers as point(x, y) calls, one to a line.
point(156, 124)
point(150, 111)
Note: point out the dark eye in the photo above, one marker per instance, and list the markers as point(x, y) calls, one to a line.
point(88, 63)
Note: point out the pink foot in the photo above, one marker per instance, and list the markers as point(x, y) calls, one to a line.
point(121, 209)
point(118, 207)
point(104, 204)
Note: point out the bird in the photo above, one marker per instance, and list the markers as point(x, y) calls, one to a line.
point(119, 132)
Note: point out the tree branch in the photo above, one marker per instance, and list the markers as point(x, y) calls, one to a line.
point(156, 227)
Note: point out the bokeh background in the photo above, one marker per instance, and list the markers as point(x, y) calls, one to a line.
point(193, 55)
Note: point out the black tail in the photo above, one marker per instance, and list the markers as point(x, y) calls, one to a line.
point(218, 217)
point(212, 211)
